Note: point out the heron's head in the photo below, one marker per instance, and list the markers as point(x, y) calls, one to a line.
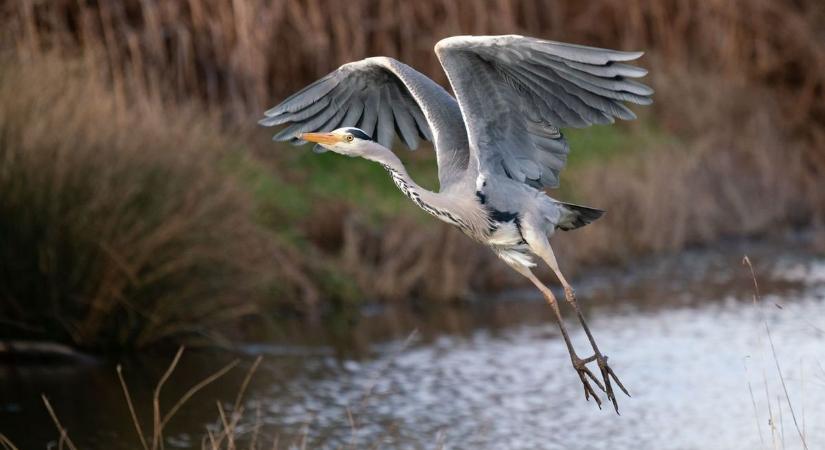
point(348, 141)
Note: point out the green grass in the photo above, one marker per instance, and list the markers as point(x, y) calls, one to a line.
point(600, 143)
point(361, 182)
point(305, 179)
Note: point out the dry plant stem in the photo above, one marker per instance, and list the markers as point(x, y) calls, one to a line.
point(771, 419)
point(161, 420)
point(194, 390)
point(131, 406)
point(157, 435)
point(756, 303)
point(802, 376)
point(228, 430)
point(64, 437)
point(7, 443)
point(753, 403)
point(781, 421)
point(353, 428)
point(245, 383)
point(212, 443)
point(253, 442)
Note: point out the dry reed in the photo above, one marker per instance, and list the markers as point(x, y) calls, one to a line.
point(226, 438)
point(739, 84)
point(7, 443)
point(244, 54)
point(757, 304)
point(118, 229)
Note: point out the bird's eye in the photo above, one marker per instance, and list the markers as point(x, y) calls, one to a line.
point(349, 138)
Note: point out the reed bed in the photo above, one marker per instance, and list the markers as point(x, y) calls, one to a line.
point(242, 55)
point(118, 228)
point(740, 91)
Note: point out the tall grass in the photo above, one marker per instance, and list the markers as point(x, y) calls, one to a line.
point(117, 227)
point(241, 55)
point(114, 118)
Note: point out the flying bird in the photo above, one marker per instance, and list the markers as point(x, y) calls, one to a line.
point(498, 142)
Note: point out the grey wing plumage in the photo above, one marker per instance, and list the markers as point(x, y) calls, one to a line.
point(516, 92)
point(384, 98)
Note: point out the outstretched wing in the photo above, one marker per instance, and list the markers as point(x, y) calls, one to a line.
point(383, 97)
point(516, 92)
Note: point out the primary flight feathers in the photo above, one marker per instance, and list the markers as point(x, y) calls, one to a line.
point(513, 93)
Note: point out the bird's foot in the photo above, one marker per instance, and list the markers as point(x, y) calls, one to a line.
point(609, 377)
point(586, 376)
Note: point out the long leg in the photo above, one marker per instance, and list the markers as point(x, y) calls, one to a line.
point(579, 364)
point(545, 251)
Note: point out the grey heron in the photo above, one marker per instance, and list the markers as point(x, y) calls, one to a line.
point(498, 142)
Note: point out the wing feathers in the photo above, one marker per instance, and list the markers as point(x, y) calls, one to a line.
point(362, 94)
point(404, 123)
point(305, 96)
point(386, 124)
point(515, 93)
point(609, 70)
point(356, 109)
point(555, 84)
point(303, 114)
point(370, 116)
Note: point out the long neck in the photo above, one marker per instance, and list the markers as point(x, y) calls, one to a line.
point(398, 172)
point(431, 202)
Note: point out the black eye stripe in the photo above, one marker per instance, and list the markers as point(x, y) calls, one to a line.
point(359, 134)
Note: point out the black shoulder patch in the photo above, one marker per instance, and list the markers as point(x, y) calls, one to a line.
point(502, 216)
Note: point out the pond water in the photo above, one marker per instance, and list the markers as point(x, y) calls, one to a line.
point(682, 332)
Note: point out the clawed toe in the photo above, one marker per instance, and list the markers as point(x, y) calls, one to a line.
point(585, 375)
point(605, 384)
point(607, 375)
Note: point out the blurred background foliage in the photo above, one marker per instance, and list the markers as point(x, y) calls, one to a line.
point(140, 204)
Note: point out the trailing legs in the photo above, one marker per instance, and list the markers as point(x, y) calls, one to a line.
point(540, 245)
point(585, 375)
point(546, 253)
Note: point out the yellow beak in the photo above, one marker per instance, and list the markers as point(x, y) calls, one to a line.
point(321, 138)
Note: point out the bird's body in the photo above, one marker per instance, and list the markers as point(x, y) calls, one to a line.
point(498, 141)
point(467, 207)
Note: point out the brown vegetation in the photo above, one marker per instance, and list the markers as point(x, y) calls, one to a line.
point(232, 431)
point(740, 88)
point(246, 54)
point(741, 176)
point(117, 226)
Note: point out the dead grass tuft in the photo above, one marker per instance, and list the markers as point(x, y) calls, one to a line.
point(117, 227)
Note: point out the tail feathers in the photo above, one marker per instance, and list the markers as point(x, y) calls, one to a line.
point(576, 216)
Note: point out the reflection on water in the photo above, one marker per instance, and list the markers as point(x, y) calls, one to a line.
point(689, 351)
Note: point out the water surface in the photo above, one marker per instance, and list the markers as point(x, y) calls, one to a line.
point(682, 332)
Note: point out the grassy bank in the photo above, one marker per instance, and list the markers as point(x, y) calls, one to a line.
point(117, 227)
point(139, 204)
